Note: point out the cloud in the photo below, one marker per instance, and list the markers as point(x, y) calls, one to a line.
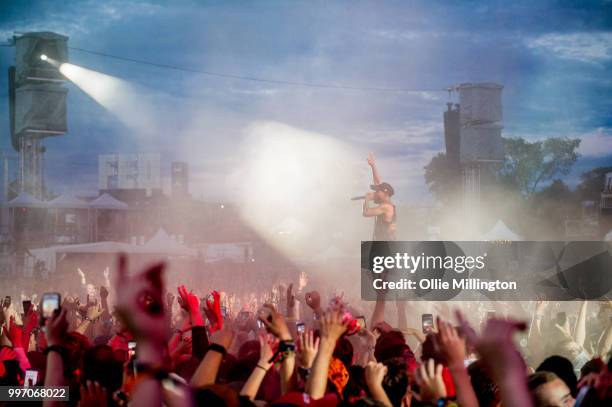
point(597, 143)
point(592, 47)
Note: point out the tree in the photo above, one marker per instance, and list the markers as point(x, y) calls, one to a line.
point(527, 164)
point(591, 184)
point(443, 178)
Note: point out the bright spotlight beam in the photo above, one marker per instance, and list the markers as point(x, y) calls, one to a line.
point(119, 97)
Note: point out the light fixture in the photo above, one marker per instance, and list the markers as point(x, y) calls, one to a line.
point(43, 57)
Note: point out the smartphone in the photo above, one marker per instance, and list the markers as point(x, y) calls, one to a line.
point(223, 312)
point(427, 323)
point(26, 306)
point(561, 318)
point(7, 301)
point(131, 349)
point(50, 303)
point(300, 327)
point(361, 322)
point(31, 377)
point(260, 324)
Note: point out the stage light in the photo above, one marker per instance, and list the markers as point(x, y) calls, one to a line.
point(295, 186)
point(119, 97)
point(43, 57)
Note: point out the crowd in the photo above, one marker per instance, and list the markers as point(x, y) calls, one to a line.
point(146, 344)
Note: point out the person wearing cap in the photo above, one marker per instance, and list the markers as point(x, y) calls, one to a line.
point(384, 212)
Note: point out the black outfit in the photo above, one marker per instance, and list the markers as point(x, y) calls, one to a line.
point(384, 230)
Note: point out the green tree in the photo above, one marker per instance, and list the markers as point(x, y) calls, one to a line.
point(528, 163)
point(443, 178)
point(591, 184)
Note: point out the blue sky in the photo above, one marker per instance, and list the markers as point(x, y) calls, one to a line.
point(554, 59)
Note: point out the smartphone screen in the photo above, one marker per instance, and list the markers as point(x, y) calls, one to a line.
point(361, 322)
point(427, 323)
point(31, 377)
point(300, 327)
point(50, 303)
point(131, 349)
point(224, 312)
point(260, 324)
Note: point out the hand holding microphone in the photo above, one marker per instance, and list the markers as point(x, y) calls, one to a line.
point(369, 196)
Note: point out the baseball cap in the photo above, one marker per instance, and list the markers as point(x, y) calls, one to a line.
point(383, 186)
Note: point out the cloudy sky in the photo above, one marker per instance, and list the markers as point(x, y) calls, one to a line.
point(554, 59)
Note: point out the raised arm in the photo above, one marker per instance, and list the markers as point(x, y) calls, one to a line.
point(332, 328)
point(372, 164)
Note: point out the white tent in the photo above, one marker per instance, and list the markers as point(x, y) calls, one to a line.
point(106, 201)
point(162, 243)
point(48, 255)
point(25, 200)
point(67, 202)
point(500, 232)
point(608, 237)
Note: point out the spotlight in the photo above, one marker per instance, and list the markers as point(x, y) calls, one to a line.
point(43, 57)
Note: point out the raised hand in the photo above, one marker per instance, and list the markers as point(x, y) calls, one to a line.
point(274, 322)
point(429, 378)
point(371, 160)
point(213, 311)
point(224, 336)
point(374, 375)
point(291, 310)
point(93, 395)
point(451, 345)
point(501, 357)
point(56, 328)
point(190, 303)
point(140, 303)
point(82, 275)
point(303, 281)
point(103, 292)
point(94, 311)
point(267, 344)
point(313, 300)
point(308, 348)
point(495, 338)
point(333, 326)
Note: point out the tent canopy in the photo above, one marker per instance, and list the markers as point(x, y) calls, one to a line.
point(500, 232)
point(67, 202)
point(162, 243)
point(106, 201)
point(25, 200)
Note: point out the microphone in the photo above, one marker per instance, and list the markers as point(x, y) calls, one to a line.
point(358, 198)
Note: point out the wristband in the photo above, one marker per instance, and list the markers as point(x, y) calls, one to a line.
point(215, 347)
point(261, 367)
point(285, 348)
point(304, 372)
point(55, 348)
